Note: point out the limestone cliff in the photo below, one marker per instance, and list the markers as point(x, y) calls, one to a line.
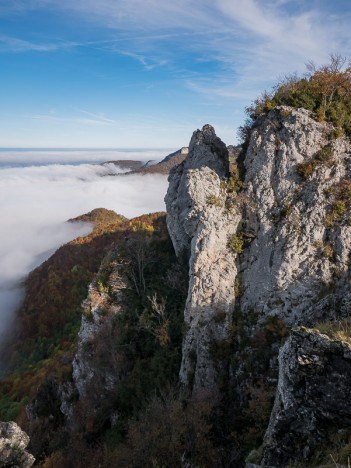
point(95, 371)
point(282, 244)
point(96, 319)
point(298, 265)
point(264, 237)
point(199, 221)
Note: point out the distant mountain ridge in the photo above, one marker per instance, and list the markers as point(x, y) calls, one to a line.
point(151, 166)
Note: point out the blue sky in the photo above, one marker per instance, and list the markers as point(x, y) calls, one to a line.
point(146, 73)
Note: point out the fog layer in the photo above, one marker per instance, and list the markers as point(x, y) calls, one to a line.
point(35, 202)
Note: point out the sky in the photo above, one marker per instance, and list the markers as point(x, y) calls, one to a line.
point(147, 73)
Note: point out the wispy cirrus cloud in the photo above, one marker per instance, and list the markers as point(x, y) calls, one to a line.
point(14, 44)
point(298, 34)
point(271, 21)
point(17, 45)
point(234, 30)
point(96, 119)
point(148, 122)
point(21, 6)
point(224, 52)
point(99, 117)
point(147, 63)
point(252, 38)
point(224, 90)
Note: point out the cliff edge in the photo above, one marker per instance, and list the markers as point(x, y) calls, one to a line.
point(268, 237)
point(200, 225)
point(258, 338)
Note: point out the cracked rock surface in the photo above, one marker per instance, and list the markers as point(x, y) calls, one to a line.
point(199, 223)
point(13, 443)
point(313, 396)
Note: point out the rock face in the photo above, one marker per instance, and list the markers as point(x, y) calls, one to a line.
point(313, 396)
point(97, 312)
point(295, 205)
point(13, 443)
point(298, 266)
point(206, 151)
point(270, 247)
point(298, 269)
point(199, 223)
point(95, 371)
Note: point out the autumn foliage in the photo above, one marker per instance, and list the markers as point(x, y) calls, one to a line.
point(325, 90)
point(45, 340)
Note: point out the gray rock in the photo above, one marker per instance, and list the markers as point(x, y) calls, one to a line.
point(96, 319)
point(313, 396)
point(206, 150)
point(199, 222)
point(284, 273)
point(296, 267)
point(96, 370)
point(13, 443)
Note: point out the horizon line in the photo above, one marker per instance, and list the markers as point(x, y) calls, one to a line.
point(78, 148)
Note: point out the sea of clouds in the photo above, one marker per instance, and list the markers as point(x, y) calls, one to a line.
point(41, 190)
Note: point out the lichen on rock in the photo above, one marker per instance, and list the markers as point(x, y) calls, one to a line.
point(13, 443)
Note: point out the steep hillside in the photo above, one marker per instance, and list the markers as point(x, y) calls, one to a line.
point(223, 340)
point(126, 164)
point(49, 317)
point(150, 167)
point(133, 312)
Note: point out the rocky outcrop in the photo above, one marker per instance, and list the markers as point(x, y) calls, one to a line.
point(294, 206)
point(313, 397)
point(267, 237)
point(95, 371)
point(200, 224)
point(206, 151)
point(298, 265)
point(97, 314)
point(13, 443)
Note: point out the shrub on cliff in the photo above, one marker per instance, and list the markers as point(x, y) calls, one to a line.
point(324, 90)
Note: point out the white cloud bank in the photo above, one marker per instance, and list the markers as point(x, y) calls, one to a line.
point(30, 157)
point(36, 201)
